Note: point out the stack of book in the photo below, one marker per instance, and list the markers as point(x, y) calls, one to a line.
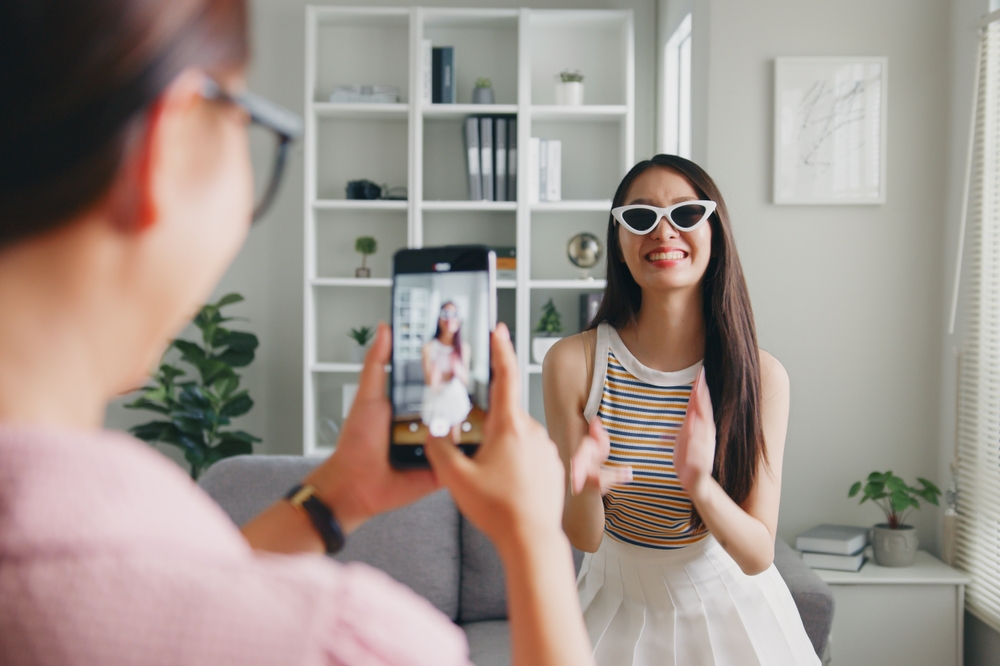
point(544, 170)
point(506, 263)
point(438, 64)
point(491, 156)
point(837, 547)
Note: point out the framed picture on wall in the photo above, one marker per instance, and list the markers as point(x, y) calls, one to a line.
point(829, 130)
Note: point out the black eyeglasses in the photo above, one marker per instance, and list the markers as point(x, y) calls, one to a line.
point(279, 128)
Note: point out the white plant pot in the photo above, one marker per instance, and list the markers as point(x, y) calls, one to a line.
point(358, 353)
point(570, 93)
point(540, 346)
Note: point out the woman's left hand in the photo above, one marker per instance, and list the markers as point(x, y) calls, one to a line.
point(694, 449)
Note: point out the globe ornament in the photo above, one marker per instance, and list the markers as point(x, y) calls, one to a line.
point(584, 251)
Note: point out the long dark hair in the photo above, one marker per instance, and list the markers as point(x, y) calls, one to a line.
point(75, 80)
point(456, 340)
point(732, 358)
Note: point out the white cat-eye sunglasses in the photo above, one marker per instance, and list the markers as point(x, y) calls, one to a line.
point(684, 216)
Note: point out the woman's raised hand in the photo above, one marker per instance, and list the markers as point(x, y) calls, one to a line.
point(694, 449)
point(587, 468)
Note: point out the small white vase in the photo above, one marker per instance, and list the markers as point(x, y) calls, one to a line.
point(540, 346)
point(569, 93)
point(358, 353)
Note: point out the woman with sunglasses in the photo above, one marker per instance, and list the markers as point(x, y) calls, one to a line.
point(125, 191)
point(671, 424)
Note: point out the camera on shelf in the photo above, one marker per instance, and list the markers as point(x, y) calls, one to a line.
point(363, 189)
point(366, 189)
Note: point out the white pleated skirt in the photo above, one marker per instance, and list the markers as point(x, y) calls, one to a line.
point(692, 606)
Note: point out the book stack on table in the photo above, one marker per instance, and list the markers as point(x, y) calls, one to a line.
point(837, 547)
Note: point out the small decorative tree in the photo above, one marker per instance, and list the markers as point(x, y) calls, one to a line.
point(197, 409)
point(364, 245)
point(551, 322)
point(894, 496)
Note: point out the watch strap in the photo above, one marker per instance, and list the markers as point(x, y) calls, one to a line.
point(303, 497)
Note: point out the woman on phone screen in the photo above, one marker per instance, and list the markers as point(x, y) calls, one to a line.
point(671, 423)
point(446, 376)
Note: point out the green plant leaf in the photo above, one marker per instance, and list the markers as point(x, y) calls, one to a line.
point(895, 484)
point(900, 501)
point(228, 448)
point(854, 489)
point(155, 431)
point(874, 489)
point(238, 405)
point(236, 359)
point(240, 341)
point(228, 299)
point(214, 369)
point(192, 352)
point(224, 386)
point(143, 403)
point(928, 485)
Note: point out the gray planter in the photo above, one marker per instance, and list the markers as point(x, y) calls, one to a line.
point(894, 548)
point(482, 96)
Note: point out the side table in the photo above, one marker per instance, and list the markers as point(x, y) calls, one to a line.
point(907, 615)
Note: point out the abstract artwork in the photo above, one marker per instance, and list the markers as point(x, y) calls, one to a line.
point(829, 130)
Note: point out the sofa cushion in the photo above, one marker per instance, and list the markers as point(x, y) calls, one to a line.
point(489, 642)
point(417, 545)
point(812, 596)
point(482, 595)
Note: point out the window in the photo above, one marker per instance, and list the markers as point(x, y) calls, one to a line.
point(978, 447)
point(675, 121)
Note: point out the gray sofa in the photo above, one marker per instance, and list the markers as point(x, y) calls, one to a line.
point(430, 547)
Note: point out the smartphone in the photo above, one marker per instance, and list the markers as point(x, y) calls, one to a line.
point(444, 306)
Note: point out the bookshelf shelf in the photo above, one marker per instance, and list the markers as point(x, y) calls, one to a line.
point(603, 112)
point(469, 205)
point(361, 111)
point(462, 110)
point(593, 284)
point(421, 146)
point(336, 367)
point(352, 282)
point(360, 204)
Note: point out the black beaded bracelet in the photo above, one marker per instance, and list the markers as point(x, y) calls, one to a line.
point(303, 498)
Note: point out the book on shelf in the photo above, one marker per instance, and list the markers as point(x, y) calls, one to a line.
point(833, 540)
point(443, 74)
point(486, 156)
point(836, 562)
point(512, 159)
point(472, 158)
point(427, 67)
point(544, 170)
point(506, 263)
point(500, 159)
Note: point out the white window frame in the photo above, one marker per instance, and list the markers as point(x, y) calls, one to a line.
point(675, 120)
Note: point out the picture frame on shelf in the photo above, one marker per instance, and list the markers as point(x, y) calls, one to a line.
point(830, 130)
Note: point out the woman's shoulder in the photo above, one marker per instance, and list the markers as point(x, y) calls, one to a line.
point(773, 376)
point(569, 364)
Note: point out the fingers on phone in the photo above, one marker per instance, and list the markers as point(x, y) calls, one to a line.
point(372, 382)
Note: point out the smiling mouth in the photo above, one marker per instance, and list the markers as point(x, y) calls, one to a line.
point(673, 255)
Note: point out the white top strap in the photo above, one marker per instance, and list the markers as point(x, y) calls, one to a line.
point(600, 370)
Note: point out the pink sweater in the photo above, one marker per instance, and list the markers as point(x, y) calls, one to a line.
point(110, 555)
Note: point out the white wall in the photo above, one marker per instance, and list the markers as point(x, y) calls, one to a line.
point(269, 269)
point(848, 298)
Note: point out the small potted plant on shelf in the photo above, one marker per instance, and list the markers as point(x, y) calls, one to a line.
point(894, 542)
point(364, 245)
point(483, 92)
point(361, 335)
point(548, 329)
point(569, 88)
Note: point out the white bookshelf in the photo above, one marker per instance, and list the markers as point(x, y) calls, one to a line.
point(420, 146)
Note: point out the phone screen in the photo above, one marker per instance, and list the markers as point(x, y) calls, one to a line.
point(443, 309)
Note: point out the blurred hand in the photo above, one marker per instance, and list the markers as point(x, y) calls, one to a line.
point(694, 449)
point(587, 468)
point(357, 481)
point(513, 488)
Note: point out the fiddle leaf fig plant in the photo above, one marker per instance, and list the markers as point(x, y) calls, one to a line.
point(894, 496)
point(199, 402)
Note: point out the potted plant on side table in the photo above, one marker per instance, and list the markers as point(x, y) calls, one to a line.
point(548, 329)
point(483, 92)
point(569, 88)
point(894, 542)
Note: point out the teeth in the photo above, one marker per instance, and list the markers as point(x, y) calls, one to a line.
point(665, 256)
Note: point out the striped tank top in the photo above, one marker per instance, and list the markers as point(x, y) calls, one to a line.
point(642, 410)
